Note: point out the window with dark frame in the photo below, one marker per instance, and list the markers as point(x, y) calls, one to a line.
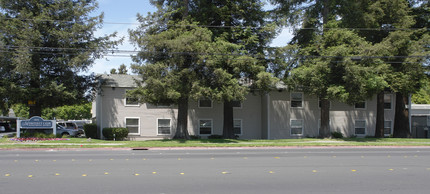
point(237, 104)
point(205, 103)
point(360, 105)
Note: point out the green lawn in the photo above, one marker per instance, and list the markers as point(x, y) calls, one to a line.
point(7, 143)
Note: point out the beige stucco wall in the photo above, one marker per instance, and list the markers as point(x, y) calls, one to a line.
point(249, 113)
point(115, 112)
point(267, 116)
point(112, 112)
point(342, 116)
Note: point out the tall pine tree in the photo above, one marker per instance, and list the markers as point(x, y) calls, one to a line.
point(46, 44)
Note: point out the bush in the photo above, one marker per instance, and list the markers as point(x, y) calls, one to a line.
point(90, 130)
point(120, 133)
point(336, 134)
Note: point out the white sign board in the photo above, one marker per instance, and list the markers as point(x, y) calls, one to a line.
point(36, 123)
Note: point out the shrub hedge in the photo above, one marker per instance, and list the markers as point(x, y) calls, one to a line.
point(91, 130)
point(120, 133)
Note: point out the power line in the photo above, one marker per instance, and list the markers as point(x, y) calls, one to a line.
point(218, 26)
point(121, 53)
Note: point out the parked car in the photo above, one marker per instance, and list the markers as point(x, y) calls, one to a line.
point(71, 126)
point(67, 132)
point(5, 127)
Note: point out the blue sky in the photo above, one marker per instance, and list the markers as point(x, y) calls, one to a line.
point(124, 12)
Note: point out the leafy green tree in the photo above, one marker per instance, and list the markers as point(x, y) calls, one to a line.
point(423, 95)
point(45, 44)
point(242, 33)
point(367, 18)
point(312, 16)
point(218, 63)
point(330, 72)
point(122, 69)
point(113, 71)
point(21, 110)
point(70, 112)
point(171, 68)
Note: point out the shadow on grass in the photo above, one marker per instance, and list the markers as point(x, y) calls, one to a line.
point(202, 140)
point(371, 139)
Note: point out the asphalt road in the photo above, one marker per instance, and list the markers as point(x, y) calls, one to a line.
point(297, 170)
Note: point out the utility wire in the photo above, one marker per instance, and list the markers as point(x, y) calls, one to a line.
point(121, 53)
point(218, 26)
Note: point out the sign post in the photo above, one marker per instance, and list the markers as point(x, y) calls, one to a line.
point(36, 123)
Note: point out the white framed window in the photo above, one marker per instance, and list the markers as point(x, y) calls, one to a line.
point(128, 101)
point(237, 104)
point(360, 127)
point(387, 127)
point(237, 126)
point(388, 101)
point(205, 126)
point(360, 105)
point(205, 103)
point(296, 127)
point(296, 100)
point(164, 127)
point(133, 125)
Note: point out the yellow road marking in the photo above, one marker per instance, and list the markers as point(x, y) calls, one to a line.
point(277, 158)
point(84, 175)
point(106, 173)
point(354, 170)
point(154, 172)
point(181, 173)
point(314, 170)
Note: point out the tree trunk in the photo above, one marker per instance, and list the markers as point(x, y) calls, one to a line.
point(401, 118)
point(324, 131)
point(379, 130)
point(228, 128)
point(181, 128)
point(35, 110)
